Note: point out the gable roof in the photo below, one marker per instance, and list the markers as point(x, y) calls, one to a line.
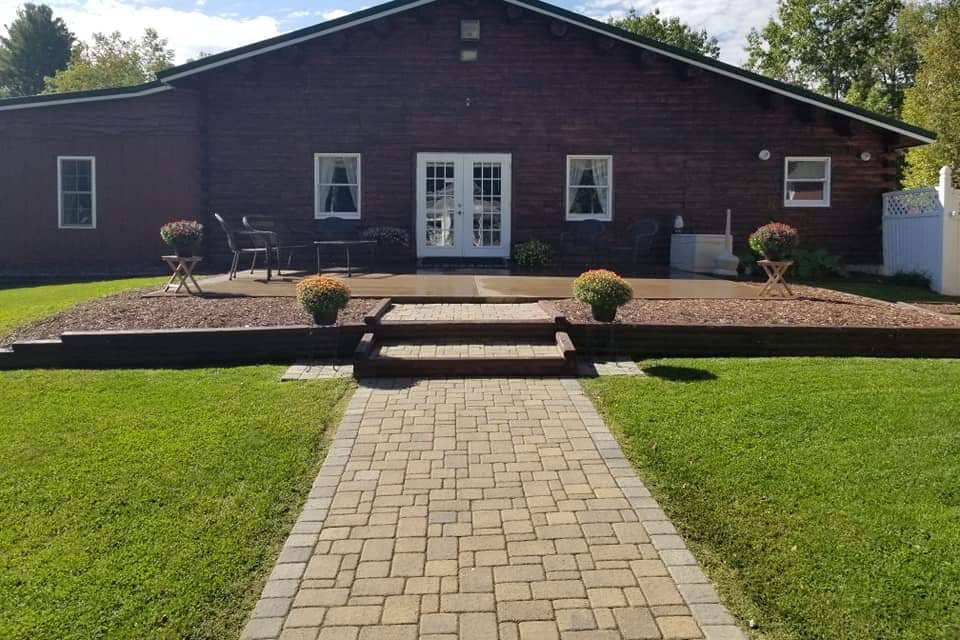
point(396, 6)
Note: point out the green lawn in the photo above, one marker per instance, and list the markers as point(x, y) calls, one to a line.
point(21, 305)
point(883, 289)
point(149, 504)
point(823, 495)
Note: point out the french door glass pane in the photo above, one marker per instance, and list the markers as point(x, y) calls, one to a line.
point(487, 200)
point(441, 204)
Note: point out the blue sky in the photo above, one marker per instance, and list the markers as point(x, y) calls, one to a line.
point(192, 26)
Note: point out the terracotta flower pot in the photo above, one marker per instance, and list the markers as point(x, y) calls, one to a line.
point(326, 316)
point(604, 314)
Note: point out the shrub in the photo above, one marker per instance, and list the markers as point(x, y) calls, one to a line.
point(532, 254)
point(604, 291)
point(775, 241)
point(185, 236)
point(388, 236)
point(817, 265)
point(911, 279)
point(748, 262)
point(323, 297)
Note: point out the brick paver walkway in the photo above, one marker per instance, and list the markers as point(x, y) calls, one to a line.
point(467, 348)
point(482, 508)
point(468, 311)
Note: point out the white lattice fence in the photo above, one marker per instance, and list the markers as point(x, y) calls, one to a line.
point(921, 233)
point(912, 202)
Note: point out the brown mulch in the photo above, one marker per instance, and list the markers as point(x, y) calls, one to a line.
point(948, 308)
point(812, 306)
point(131, 310)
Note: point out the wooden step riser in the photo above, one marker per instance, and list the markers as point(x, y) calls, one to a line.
point(445, 330)
point(450, 367)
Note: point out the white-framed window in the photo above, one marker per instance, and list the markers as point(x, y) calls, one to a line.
point(806, 181)
point(589, 188)
point(336, 185)
point(77, 192)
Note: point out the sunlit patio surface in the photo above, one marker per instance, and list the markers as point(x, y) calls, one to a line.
point(477, 286)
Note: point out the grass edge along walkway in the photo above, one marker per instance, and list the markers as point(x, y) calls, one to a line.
point(820, 494)
point(150, 503)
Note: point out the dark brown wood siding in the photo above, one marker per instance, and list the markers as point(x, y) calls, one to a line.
point(680, 146)
point(240, 140)
point(146, 174)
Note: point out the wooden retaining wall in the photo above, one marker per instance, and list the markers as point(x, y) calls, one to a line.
point(667, 340)
point(183, 347)
point(254, 345)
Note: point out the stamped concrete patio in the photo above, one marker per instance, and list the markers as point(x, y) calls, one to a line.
point(453, 287)
point(487, 509)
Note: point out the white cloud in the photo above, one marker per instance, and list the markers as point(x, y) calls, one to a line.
point(333, 14)
point(729, 21)
point(189, 32)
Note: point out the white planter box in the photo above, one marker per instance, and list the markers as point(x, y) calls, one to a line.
point(695, 252)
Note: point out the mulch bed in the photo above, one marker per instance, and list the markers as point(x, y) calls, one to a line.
point(131, 310)
point(948, 308)
point(811, 307)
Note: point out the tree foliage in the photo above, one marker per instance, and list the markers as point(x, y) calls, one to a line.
point(934, 100)
point(670, 31)
point(113, 61)
point(37, 45)
point(861, 51)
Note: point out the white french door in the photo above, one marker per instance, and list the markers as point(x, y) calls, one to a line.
point(463, 205)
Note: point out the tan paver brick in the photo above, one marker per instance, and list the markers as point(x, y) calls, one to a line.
point(496, 509)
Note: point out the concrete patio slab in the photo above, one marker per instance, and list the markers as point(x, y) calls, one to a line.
point(461, 287)
point(482, 508)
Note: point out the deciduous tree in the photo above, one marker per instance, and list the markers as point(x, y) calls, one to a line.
point(860, 50)
point(113, 61)
point(934, 100)
point(670, 31)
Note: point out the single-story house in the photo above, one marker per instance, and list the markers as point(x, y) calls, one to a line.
point(473, 124)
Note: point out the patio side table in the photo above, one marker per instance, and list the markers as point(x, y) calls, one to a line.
point(775, 285)
point(346, 244)
point(182, 268)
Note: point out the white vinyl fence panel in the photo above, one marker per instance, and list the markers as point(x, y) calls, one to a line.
point(921, 233)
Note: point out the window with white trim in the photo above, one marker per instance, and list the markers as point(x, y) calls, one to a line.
point(806, 181)
point(77, 192)
point(337, 185)
point(589, 188)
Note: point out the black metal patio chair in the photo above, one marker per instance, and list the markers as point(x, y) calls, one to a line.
point(280, 238)
point(642, 234)
point(243, 243)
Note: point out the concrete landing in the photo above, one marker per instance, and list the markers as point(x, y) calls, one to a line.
point(458, 287)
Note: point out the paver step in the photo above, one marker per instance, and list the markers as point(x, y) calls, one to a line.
point(458, 356)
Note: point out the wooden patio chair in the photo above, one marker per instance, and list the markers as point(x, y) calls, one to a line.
point(237, 239)
point(279, 235)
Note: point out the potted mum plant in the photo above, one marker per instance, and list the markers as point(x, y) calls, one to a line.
point(323, 297)
point(776, 241)
point(184, 236)
point(604, 291)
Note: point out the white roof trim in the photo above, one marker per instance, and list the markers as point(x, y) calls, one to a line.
point(763, 85)
point(79, 99)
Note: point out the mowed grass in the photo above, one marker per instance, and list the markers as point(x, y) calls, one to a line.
point(823, 494)
point(149, 503)
point(883, 289)
point(20, 305)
